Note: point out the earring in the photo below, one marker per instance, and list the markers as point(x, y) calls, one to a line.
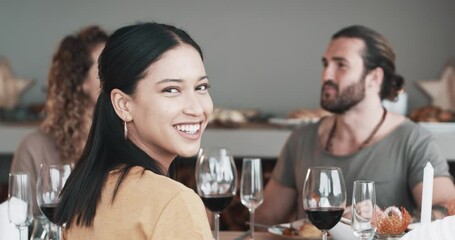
point(125, 130)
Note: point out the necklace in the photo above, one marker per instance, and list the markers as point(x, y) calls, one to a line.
point(329, 144)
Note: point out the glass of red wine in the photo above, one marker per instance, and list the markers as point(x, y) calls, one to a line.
point(51, 180)
point(216, 180)
point(324, 197)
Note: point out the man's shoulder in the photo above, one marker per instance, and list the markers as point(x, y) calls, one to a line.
point(407, 133)
point(307, 127)
point(412, 129)
point(304, 131)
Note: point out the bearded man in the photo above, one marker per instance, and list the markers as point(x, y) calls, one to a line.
point(361, 137)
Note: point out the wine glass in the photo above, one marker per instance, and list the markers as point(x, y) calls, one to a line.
point(216, 178)
point(51, 180)
point(363, 216)
point(19, 203)
point(324, 197)
point(251, 193)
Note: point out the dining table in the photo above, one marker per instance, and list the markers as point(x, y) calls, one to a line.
point(242, 235)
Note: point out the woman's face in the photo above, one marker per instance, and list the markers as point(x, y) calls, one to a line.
point(171, 106)
point(91, 84)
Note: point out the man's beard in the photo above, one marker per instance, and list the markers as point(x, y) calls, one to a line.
point(341, 102)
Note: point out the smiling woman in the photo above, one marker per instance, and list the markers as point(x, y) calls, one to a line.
point(170, 106)
point(154, 105)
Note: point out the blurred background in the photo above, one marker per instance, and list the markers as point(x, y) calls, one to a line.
point(259, 54)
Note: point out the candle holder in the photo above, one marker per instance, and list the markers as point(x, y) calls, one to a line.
point(392, 222)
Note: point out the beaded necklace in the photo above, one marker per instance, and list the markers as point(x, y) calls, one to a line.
point(329, 144)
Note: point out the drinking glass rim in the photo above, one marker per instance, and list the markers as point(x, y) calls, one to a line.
point(18, 173)
point(251, 159)
point(325, 168)
point(55, 164)
point(214, 148)
point(364, 181)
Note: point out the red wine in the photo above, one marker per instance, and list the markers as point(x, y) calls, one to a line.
point(324, 218)
point(217, 203)
point(49, 210)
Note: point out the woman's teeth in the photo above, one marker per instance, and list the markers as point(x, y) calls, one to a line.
point(189, 128)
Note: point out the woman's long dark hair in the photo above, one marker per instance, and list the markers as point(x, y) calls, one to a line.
point(127, 55)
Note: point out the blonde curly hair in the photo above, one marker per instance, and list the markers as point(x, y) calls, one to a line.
point(68, 108)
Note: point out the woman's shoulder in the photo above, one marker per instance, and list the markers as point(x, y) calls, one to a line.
point(161, 190)
point(150, 180)
point(36, 142)
point(37, 137)
point(35, 148)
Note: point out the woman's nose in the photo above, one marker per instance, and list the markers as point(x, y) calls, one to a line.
point(193, 105)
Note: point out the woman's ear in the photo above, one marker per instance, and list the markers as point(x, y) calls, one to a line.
point(121, 103)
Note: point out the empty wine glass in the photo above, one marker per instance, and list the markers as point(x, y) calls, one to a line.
point(363, 218)
point(19, 203)
point(51, 180)
point(324, 197)
point(251, 193)
point(216, 180)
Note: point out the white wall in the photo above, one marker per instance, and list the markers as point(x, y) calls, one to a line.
point(261, 54)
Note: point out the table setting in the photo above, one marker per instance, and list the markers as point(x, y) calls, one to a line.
point(324, 202)
point(50, 182)
point(322, 214)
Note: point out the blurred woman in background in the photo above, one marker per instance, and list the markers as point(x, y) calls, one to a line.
point(72, 89)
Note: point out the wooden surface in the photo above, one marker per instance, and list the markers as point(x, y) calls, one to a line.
point(234, 235)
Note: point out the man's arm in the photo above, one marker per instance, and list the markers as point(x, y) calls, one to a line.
point(279, 202)
point(443, 191)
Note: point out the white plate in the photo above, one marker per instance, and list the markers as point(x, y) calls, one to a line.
point(276, 230)
point(342, 231)
point(412, 226)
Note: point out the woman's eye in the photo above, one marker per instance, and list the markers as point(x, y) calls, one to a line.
point(171, 90)
point(203, 87)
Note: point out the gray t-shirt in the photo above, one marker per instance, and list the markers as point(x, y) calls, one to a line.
point(395, 163)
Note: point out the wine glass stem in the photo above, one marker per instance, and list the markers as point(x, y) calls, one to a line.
point(55, 232)
point(23, 233)
point(59, 232)
point(217, 226)
point(324, 234)
point(50, 236)
point(252, 223)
